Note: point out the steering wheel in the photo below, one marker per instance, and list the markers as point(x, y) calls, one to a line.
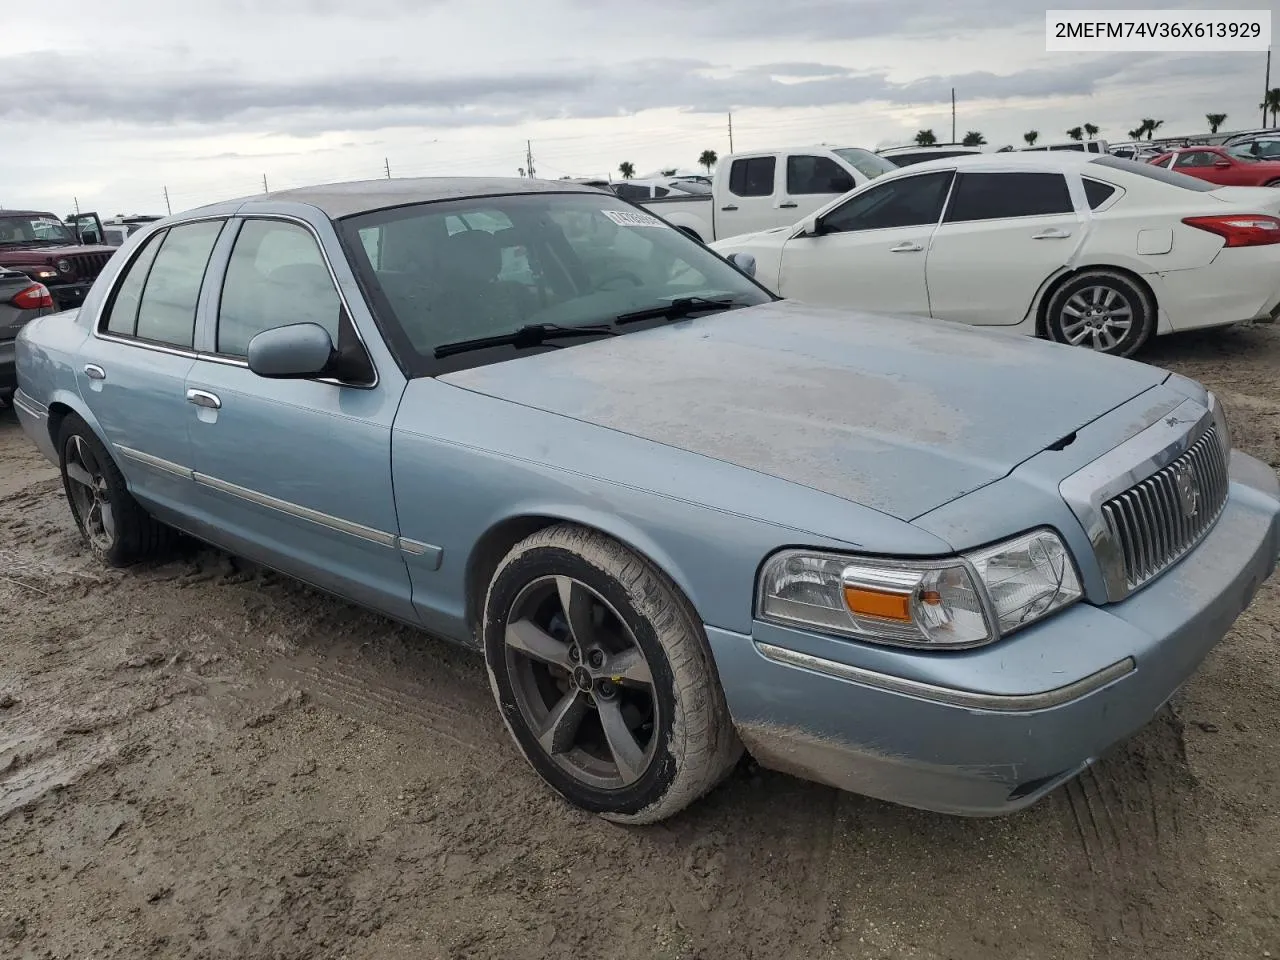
point(620, 275)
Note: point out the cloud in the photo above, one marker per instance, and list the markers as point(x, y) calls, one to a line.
point(66, 89)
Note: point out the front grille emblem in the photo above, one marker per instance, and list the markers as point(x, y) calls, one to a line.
point(1188, 495)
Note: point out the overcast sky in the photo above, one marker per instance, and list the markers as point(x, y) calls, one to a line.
point(109, 103)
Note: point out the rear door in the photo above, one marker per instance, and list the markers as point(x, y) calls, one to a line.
point(746, 204)
point(132, 372)
point(1003, 234)
point(870, 252)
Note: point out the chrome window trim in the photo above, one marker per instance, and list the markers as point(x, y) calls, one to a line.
point(950, 696)
point(1123, 467)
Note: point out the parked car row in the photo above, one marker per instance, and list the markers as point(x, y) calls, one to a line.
point(65, 257)
point(677, 515)
point(1088, 250)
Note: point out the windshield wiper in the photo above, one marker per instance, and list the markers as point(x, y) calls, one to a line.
point(678, 309)
point(532, 335)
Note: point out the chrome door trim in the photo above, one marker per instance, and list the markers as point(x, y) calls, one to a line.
point(1133, 461)
point(968, 699)
point(146, 459)
point(431, 555)
point(349, 527)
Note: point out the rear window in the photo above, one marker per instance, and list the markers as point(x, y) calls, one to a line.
point(1153, 172)
point(1097, 192)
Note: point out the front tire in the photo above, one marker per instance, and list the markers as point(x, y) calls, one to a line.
point(114, 525)
point(603, 677)
point(1101, 309)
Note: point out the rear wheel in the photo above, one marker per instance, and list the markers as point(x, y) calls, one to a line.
point(1272, 183)
point(1103, 310)
point(603, 677)
point(114, 525)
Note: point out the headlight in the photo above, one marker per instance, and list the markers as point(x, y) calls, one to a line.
point(953, 603)
point(64, 266)
point(43, 273)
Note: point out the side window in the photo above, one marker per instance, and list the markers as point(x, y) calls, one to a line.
point(630, 191)
point(122, 315)
point(1000, 196)
point(276, 276)
point(1195, 158)
point(752, 177)
point(1097, 192)
point(908, 202)
point(167, 313)
point(660, 191)
point(815, 175)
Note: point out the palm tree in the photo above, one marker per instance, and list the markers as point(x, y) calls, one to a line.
point(1076, 133)
point(669, 172)
point(973, 139)
point(1215, 121)
point(1031, 136)
point(1151, 126)
point(1136, 134)
point(627, 169)
point(1091, 130)
point(925, 138)
point(708, 159)
point(1272, 103)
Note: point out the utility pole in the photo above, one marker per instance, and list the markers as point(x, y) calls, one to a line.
point(76, 201)
point(953, 114)
point(386, 163)
point(1266, 88)
point(528, 158)
point(167, 207)
point(264, 184)
point(731, 131)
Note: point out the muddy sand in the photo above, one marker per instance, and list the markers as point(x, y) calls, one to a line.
point(200, 759)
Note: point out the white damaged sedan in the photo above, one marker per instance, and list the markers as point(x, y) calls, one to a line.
point(1088, 250)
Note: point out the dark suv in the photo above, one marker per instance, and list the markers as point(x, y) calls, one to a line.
point(65, 258)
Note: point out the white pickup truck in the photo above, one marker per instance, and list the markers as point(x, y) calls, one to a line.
point(769, 188)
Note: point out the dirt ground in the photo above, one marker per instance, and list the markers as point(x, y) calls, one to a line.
point(201, 759)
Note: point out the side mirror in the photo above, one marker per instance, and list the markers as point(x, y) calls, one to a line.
point(296, 352)
point(842, 184)
point(811, 227)
point(744, 262)
point(1222, 164)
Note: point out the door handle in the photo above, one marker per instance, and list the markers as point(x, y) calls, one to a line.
point(94, 372)
point(1053, 233)
point(203, 398)
point(731, 206)
point(907, 246)
point(788, 203)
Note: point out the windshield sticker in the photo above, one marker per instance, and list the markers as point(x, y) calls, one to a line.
point(632, 218)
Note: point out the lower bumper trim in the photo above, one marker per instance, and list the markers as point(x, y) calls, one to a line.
point(1001, 702)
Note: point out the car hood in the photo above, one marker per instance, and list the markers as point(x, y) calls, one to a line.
point(43, 254)
point(898, 414)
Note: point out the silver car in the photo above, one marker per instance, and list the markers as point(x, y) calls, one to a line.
point(936, 565)
point(21, 301)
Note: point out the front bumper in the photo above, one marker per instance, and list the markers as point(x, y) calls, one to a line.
point(8, 366)
point(69, 295)
point(988, 731)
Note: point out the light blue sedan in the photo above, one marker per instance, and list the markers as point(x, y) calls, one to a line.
point(940, 566)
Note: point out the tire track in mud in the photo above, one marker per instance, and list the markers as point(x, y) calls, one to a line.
point(1125, 814)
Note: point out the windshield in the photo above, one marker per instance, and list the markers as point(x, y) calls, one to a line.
point(439, 273)
point(869, 164)
point(33, 229)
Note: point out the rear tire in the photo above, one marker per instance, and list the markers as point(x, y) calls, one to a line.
point(1272, 183)
point(1103, 310)
point(114, 525)
point(604, 678)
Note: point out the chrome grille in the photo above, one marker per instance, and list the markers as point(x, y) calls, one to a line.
point(87, 266)
point(1155, 522)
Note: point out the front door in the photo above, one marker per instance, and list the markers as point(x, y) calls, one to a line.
point(132, 375)
point(294, 473)
point(869, 253)
point(1002, 236)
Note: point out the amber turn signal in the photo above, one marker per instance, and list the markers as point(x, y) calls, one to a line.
point(881, 604)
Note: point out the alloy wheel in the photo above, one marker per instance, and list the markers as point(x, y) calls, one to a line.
point(581, 682)
point(1099, 317)
point(90, 494)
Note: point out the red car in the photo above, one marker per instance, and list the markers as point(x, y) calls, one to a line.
point(1221, 165)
